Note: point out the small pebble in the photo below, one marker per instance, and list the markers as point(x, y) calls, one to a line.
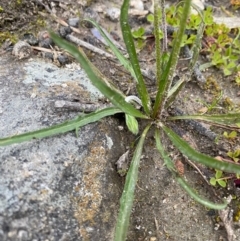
point(47, 55)
point(73, 22)
point(113, 14)
point(137, 4)
point(199, 4)
point(62, 59)
point(22, 50)
point(92, 40)
point(44, 39)
point(64, 31)
point(30, 38)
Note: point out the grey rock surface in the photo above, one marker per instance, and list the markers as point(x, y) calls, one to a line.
point(62, 187)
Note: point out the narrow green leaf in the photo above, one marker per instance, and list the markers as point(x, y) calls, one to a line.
point(124, 61)
point(127, 198)
point(97, 79)
point(132, 124)
point(167, 76)
point(224, 119)
point(193, 155)
point(195, 196)
point(160, 148)
point(60, 128)
point(159, 68)
point(128, 39)
point(181, 181)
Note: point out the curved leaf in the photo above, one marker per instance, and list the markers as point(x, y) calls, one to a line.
point(195, 196)
point(122, 59)
point(60, 128)
point(181, 181)
point(128, 39)
point(167, 75)
point(97, 79)
point(224, 119)
point(127, 198)
point(193, 155)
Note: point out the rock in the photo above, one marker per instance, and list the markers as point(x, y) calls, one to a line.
point(113, 14)
point(230, 22)
point(44, 39)
point(137, 4)
point(22, 50)
point(30, 38)
point(199, 4)
point(63, 187)
point(73, 22)
point(64, 31)
point(62, 59)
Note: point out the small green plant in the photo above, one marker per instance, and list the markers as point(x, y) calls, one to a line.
point(235, 155)
point(231, 136)
point(153, 113)
point(139, 36)
point(222, 50)
point(218, 179)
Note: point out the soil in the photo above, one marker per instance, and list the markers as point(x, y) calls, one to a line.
point(162, 211)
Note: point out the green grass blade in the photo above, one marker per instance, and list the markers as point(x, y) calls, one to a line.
point(193, 155)
point(60, 128)
point(201, 200)
point(224, 119)
point(157, 43)
point(181, 181)
point(128, 39)
point(97, 79)
point(124, 61)
point(167, 75)
point(127, 198)
point(195, 196)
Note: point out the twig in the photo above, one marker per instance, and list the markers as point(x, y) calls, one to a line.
point(45, 50)
point(227, 222)
point(82, 43)
point(79, 106)
point(60, 21)
point(198, 170)
point(157, 228)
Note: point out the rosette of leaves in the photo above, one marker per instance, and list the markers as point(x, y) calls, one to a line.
point(152, 112)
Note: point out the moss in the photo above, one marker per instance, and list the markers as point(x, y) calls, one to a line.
point(212, 86)
point(19, 2)
point(228, 103)
point(40, 22)
point(1, 9)
point(7, 35)
point(37, 25)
